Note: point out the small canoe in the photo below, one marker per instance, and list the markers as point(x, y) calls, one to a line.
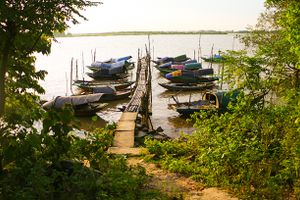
point(99, 66)
point(193, 79)
point(82, 105)
point(213, 59)
point(177, 59)
point(217, 101)
point(89, 86)
point(197, 72)
point(116, 96)
point(100, 75)
point(187, 86)
point(106, 97)
point(88, 109)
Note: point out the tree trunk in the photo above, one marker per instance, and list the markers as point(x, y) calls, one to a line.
point(4, 56)
point(3, 68)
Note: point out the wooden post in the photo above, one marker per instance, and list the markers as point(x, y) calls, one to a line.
point(222, 75)
point(66, 76)
point(76, 70)
point(82, 57)
point(71, 76)
point(149, 47)
point(199, 49)
point(212, 55)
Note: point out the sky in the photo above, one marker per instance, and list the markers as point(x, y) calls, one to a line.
point(169, 15)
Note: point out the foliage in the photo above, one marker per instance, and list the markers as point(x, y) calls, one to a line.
point(255, 151)
point(40, 155)
point(253, 148)
point(287, 13)
point(50, 166)
point(26, 27)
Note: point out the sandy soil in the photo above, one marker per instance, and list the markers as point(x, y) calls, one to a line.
point(177, 186)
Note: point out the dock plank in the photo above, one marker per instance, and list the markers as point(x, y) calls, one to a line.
point(124, 139)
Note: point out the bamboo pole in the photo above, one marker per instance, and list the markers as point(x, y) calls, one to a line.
point(66, 76)
point(92, 55)
point(95, 55)
point(199, 49)
point(222, 76)
point(82, 57)
point(71, 76)
point(149, 47)
point(212, 55)
point(76, 70)
point(233, 41)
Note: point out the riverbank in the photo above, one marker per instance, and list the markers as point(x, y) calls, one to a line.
point(177, 186)
point(124, 33)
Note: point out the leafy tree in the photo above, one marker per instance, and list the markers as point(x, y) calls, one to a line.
point(26, 27)
point(288, 12)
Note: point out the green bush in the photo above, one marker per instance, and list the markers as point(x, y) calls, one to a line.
point(254, 151)
point(48, 165)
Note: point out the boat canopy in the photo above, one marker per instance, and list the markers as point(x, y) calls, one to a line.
point(221, 98)
point(104, 89)
point(59, 101)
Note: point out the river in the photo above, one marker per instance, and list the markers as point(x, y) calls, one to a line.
point(81, 48)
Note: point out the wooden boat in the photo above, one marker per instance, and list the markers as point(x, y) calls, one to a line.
point(217, 101)
point(187, 86)
point(112, 96)
point(100, 65)
point(216, 58)
point(83, 105)
point(177, 59)
point(88, 109)
point(198, 72)
point(103, 75)
point(192, 79)
point(116, 96)
point(89, 85)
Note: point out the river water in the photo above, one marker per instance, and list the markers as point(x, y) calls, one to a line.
point(82, 49)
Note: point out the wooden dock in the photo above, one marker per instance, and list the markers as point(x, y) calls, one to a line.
point(124, 135)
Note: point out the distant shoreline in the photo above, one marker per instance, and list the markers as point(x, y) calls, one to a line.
point(146, 33)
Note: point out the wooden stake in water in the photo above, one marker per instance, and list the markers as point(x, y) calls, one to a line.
point(76, 70)
point(199, 49)
point(92, 55)
point(149, 47)
point(212, 55)
point(222, 76)
point(233, 40)
point(66, 76)
point(71, 76)
point(94, 60)
point(153, 51)
point(82, 65)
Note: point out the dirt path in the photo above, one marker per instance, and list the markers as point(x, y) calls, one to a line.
point(178, 187)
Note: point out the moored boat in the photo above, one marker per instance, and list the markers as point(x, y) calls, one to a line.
point(105, 75)
point(217, 101)
point(84, 105)
point(187, 86)
point(109, 94)
point(216, 58)
point(90, 85)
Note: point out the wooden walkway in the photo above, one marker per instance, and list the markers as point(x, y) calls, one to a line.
point(124, 136)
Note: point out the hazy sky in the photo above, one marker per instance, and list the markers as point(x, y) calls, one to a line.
point(170, 15)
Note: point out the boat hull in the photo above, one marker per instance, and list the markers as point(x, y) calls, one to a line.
point(187, 87)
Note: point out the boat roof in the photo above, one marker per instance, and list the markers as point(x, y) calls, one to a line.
point(59, 101)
